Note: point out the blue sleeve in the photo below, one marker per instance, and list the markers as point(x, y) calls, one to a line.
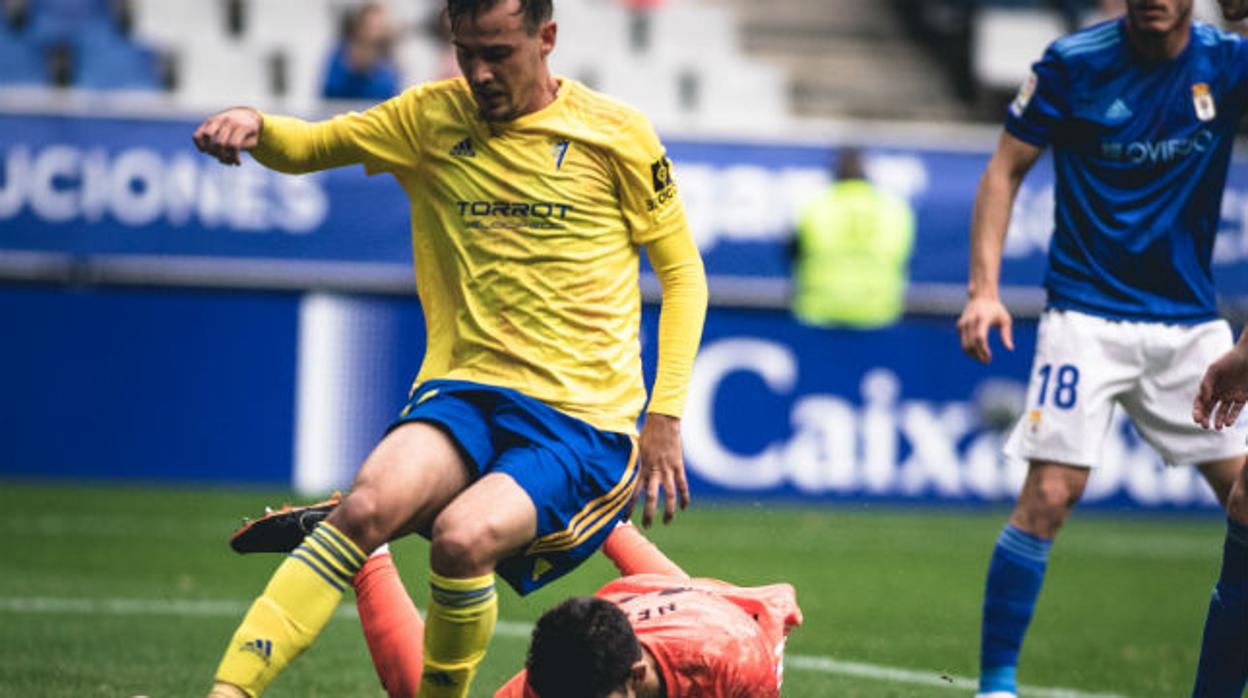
point(1240, 62)
point(1042, 103)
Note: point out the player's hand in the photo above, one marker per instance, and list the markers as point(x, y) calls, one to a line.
point(979, 317)
point(225, 135)
point(1225, 385)
point(1234, 10)
point(662, 465)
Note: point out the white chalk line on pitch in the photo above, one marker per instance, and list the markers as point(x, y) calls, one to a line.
point(229, 608)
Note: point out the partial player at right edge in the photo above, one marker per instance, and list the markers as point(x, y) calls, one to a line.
point(1141, 113)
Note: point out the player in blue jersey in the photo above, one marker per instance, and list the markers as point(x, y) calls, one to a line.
point(1140, 113)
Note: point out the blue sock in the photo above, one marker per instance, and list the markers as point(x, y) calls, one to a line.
point(1224, 650)
point(1014, 579)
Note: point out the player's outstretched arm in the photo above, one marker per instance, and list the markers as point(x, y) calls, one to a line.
point(633, 553)
point(376, 138)
point(1224, 389)
point(679, 267)
point(991, 218)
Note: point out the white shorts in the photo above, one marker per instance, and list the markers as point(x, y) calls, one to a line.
point(1086, 364)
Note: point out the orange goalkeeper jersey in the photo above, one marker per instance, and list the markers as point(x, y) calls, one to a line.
point(709, 638)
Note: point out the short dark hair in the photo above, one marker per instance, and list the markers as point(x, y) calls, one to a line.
point(582, 648)
point(536, 12)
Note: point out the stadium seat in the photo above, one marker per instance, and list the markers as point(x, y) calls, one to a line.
point(739, 95)
point(21, 63)
point(592, 41)
point(592, 28)
point(106, 60)
point(287, 23)
point(420, 59)
point(1008, 40)
point(702, 32)
point(302, 32)
point(63, 21)
point(651, 86)
point(170, 23)
point(213, 74)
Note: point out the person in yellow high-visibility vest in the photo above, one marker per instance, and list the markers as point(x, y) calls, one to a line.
point(852, 252)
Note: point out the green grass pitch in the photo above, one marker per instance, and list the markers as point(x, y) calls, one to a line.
point(110, 591)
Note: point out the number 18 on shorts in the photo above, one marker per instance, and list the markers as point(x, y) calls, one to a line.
point(1086, 367)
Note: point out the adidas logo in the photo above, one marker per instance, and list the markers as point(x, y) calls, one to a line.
point(1118, 111)
point(260, 647)
point(464, 149)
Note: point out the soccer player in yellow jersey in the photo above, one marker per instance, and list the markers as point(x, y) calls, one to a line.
point(531, 197)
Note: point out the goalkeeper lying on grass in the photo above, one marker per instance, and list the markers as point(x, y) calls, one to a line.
point(654, 632)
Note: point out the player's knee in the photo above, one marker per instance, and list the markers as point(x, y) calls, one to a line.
point(1055, 495)
point(463, 546)
point(359, 517)
point(1044, 506)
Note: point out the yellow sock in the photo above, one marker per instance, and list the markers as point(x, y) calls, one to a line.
point(458, 628)
point(291, 612)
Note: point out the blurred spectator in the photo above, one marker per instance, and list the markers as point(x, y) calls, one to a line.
point(361, 66)
point(14, 14)
point(852, 252)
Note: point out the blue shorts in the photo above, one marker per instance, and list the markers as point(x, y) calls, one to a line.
point(580, 479)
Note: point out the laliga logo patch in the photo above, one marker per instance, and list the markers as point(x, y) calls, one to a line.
point(1025, 93)
point(1203, 101)
point(661, 171)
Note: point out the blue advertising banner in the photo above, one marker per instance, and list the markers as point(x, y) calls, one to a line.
point(101, 186)
point(776, 409)
point(147, 386)
point(287, 389)
point(96, 186)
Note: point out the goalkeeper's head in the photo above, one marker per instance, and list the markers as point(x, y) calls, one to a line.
point(585, 648)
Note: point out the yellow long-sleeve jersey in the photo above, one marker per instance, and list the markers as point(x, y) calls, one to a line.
point(526, 238)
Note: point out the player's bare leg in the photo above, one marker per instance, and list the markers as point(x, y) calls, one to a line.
point(489, 521)
point(1223, 669)
point(1237, 501)
point(413, 474)
point(407, 479)
point(1221, 476)
point(1016, 571)
point(1048, 496)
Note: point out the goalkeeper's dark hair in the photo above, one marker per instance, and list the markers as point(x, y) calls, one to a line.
point(582, 648)
point(536, 12)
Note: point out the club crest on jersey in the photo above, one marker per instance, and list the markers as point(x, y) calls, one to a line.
point(464, 149)
point(260, 647)
point(1202, 99)
point(1025, 92)
point(560, 151)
